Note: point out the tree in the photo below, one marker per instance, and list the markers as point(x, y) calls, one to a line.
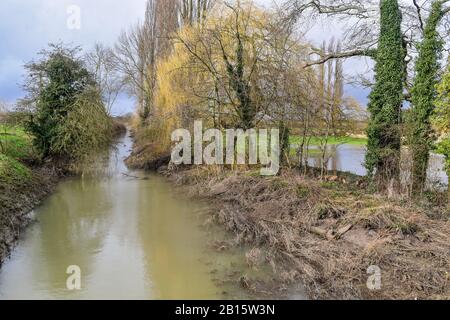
point(277, 78)
point(195, 11)
point(227, 50)
point(337, 116)
point(135, 57)
point(101, 63)
point(86, 128)
point(139, 49)
point(423, 96)
point(386, 98)
point(361, 40)
point(53, 84)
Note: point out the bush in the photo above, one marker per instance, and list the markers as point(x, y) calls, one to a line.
point(87, 127)
point(53, 84)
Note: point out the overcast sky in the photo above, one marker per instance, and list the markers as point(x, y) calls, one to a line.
point(27, 26)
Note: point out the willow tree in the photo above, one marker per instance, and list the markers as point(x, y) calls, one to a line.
point(386, 98)
point(228, 50)
point(423, 95)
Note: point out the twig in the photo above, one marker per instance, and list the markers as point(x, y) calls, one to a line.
point(134, 177)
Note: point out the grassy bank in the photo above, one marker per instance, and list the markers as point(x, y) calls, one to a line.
point(15, 142)
point(21, 189)
point(22, 186)
point(327, 235)
point(15, 149)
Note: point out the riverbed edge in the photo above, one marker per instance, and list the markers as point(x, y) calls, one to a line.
point(346, 237)
point(21, 195)
point(19, 198)
point(335, 245)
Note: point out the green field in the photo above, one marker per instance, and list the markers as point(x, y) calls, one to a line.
point(15, 142)
point(317, 141)
point(15, 145)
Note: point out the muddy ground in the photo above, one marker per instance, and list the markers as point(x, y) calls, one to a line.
point(17, 199)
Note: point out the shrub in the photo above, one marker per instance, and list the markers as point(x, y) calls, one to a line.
point(86, 127)
point(53, 84)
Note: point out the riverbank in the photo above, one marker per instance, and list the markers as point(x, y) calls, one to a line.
point(25, 181)
point(21, 190)
point(328, 235)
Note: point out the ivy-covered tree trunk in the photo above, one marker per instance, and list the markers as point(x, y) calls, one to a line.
point(386, 98)
point(285, 146)
point(241, 87)
point(423, 94)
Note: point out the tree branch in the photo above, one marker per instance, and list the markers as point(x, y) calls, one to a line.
point(419, 14)
point(343, 55)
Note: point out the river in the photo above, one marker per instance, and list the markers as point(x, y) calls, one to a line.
point(350, 158)
point(132, 236)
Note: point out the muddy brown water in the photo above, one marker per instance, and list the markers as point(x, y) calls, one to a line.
point(132, 235)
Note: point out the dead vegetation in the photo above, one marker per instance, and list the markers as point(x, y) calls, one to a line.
point(326, 235)
point(145, 155)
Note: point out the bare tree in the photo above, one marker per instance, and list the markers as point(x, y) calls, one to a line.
point(130, 62)
point(195, 11)
point(102, 63)
point(359, 20)
point(135, 53)
point(138, 50)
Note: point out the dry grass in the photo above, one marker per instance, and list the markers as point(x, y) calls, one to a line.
point(149, 151)
point(327, 235)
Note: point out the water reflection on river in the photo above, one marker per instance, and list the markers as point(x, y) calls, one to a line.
point(350, 158)
point(132, 238)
